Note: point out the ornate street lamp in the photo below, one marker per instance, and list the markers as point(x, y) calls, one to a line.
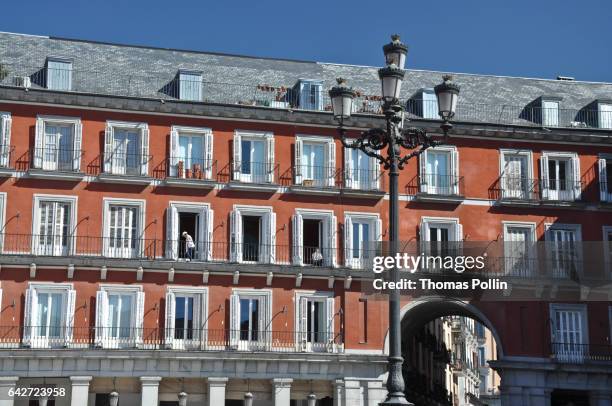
point(391, 140)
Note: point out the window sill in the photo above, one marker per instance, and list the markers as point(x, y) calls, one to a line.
point(433, 198)
point(55, 175)
point(190, 183)
point(314, 190)
point(124, 179)
point(6, 172)
point(255, 187)
point(364, 193)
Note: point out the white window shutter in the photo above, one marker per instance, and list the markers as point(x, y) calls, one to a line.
point(333, 241)
point(139, 318)
point(272, 226)
point(174, 154)
point(210, 223)
point(101, 318)
point(374, 173)
point(544, 176)
point(297, 235)
point(331, 161)
point(78, 142)
point(237, 156)
point(70, 306)
point(197, 316)
point(169, 323)
point(235, 236)
point(423, 172)
point(1, 298)
point(603, 180)
point(5, 141)
point(298, 161)
point(329, 307)
point(172, 233)
point(265, 328)
point(144, 147)
point(234, 325)
point(454, 180)
point(348, 242)
point(349, 167)
point(378, 230)
point(108, 148)
point(303, 311)
point(30, 315)
point(208, 155)
point(270, 157)
point(39, 137)
point(459, 231)
point(577, 185)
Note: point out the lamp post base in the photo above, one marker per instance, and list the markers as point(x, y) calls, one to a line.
point(395, 400)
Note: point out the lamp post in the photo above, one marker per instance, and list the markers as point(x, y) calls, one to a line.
point(392, 139)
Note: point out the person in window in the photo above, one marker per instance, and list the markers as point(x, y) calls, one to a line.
point(317, 257)
point(189, 246)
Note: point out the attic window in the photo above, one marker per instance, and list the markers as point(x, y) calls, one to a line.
point(550, 113)
point(190, 85)
point(605, 114)
point(430, 104)
point(309, 94)
point(59, 74)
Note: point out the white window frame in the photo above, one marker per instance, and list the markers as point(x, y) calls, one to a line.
point(268, 140)
point(455, 226)
point(267, 249)
point(577, 229)
point(2, 220)
point(200, 319)
point(207, 145)
point(329, 160)
point(354, 180)
point(5, 138)
point(605, 120)
point(426, 108)
point(192, 76)
point(605, 192)
point(68, 69)
point(204, 239)
point(452, 175)
point(550, 112)
point(329, 301)
point(39, 156)
point(329, 235)
point(568, 352)
point(264, 338)
point(318, 104)
point(574, 189)
point(102, 320)
point(109, 142)
point(530, 267)
point(511, 193)
point(72, 237)
point(30, 337)
point(140, 227)
point(375, 224)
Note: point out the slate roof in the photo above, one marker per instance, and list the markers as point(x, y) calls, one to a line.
point(145, 71)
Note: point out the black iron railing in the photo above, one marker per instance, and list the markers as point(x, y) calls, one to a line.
point(255, 172)
point(181, 167)
point(578, 353)
point(53, 158)
point(126, 163)
point(441, 184)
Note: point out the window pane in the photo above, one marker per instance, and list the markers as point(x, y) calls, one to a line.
point(246, 156)
point(126, 315)
point(179, 318)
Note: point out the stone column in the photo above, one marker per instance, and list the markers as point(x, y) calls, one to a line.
point(6, 383)
point(150, 390)
point(338, 392)
point(511, 395)
point(216, 391)
point(539, 396)
point(281, 394)
point(80, 390)
point(600, 398)
point(377, 392)
point(352, 393)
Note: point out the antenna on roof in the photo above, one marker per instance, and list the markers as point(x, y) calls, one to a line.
point(566, 78)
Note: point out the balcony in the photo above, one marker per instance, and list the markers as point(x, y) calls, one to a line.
point(574, 353)
point(126, 168)
point(188, 173)
point(316, 180)
point(561, 192)
point(188, 339)
point(518, 191)
point(5, 160)
point(50, 162)
point(441, 188)
point(253, 176)
point(364, 183)
point(511, 191)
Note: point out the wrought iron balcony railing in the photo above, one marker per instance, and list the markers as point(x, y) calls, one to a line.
point(126, 163)
point(51, 158)
point(317, 176)
point(578, 353)
point(181, 167)
point(440, 184)
point(255, 172)
point(521, 189)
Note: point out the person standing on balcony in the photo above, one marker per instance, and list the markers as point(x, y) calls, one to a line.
point(189, 246)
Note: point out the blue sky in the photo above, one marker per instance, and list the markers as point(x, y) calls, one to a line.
point(534, 38)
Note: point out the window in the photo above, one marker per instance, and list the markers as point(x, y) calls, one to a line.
point(252, 234)
point(185, 317)
point(49, 314)
point(57, 143)
point(53, 225)
point(361, 232)
point(197, 221)
point(250, 315)
point(361, 171)
point(314, 238)
point(190, 85)
point(605, 173)
point(253, 157)
point(119, 316)
point(315, 161)
point(605, 115)
point(59, 74)
point(310, 94)
point(191, 153)
point(123, 228)
point(440, 236)
point(5, 139)
point(315, 321)
point(550, 113)
point(569, 331)
point(2, 221)
point(560, 176)
point(516, 174)
point(126, 148)
point(564, 250)
point(519, 248)
point(439, 171)
point(430, 104)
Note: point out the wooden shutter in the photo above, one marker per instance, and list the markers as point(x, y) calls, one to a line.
point(237, 156)
point(144, 150)
point(298, 161)
point(38, 142)
point(423, 175)
point(270, 162)
point(108, 148)
point(5, 141)
point(70, 305)
point(101, 318)
point(454, 178)
point(303, 311)
point(210, 214)
point(172, 233)
point(374, 174)
point(30, 313)
point(544, 175)
point(297, 239)
point(234, 326)
point(349, 168)
point(208, 155)
point(348, 242)
point(333, 241)
point(169, 321)
point(329, 308)
point(197, 315)
point(78, 142)
point(603, 180)
point(577, 185)
point(272, 232)
point(174, 154)
point(139, 319)
point(235, 236)
point(331, 161)
point(265, 324)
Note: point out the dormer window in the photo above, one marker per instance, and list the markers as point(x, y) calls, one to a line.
point(429, 104)
point(604, 111)
point(190, 85)
point(550, 112)
point(59, 74)
point(309, 94)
